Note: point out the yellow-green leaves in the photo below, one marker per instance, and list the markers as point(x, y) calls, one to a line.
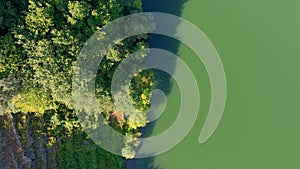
point(136, 120)
point(78, 11)
point(32, 101)
point(39, 18)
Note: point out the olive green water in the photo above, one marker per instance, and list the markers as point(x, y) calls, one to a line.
point(259, 44)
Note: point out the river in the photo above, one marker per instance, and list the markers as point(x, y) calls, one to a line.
point(258, 42)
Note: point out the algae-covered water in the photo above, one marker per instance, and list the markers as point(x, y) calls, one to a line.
point(258, 42)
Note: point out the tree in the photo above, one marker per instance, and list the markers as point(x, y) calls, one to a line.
point(40, 41)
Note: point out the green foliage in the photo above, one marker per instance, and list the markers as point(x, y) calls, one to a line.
point(39, 18)
point(10, 13)
point(128, 152)
point(78, 11)
point(77, 152)
point(32, 101)
point(39, 43)
point(10, 57)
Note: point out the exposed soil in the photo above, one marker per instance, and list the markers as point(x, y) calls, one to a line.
point(21, 147)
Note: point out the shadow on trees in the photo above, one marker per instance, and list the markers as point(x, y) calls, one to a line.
point(162, 80)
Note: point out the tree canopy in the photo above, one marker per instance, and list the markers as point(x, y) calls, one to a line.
point(39, 43)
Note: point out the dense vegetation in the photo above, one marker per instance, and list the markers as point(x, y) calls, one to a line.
point(39, 43)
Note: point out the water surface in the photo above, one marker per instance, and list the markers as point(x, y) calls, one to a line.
point(258, 42)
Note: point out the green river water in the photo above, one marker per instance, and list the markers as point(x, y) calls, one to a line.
point(259, 44)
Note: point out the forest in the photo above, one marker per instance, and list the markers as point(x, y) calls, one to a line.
point(39, 43)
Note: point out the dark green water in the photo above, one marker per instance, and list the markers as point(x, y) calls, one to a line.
point(258, 42)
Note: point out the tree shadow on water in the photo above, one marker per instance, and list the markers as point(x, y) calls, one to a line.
point(162, 80)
